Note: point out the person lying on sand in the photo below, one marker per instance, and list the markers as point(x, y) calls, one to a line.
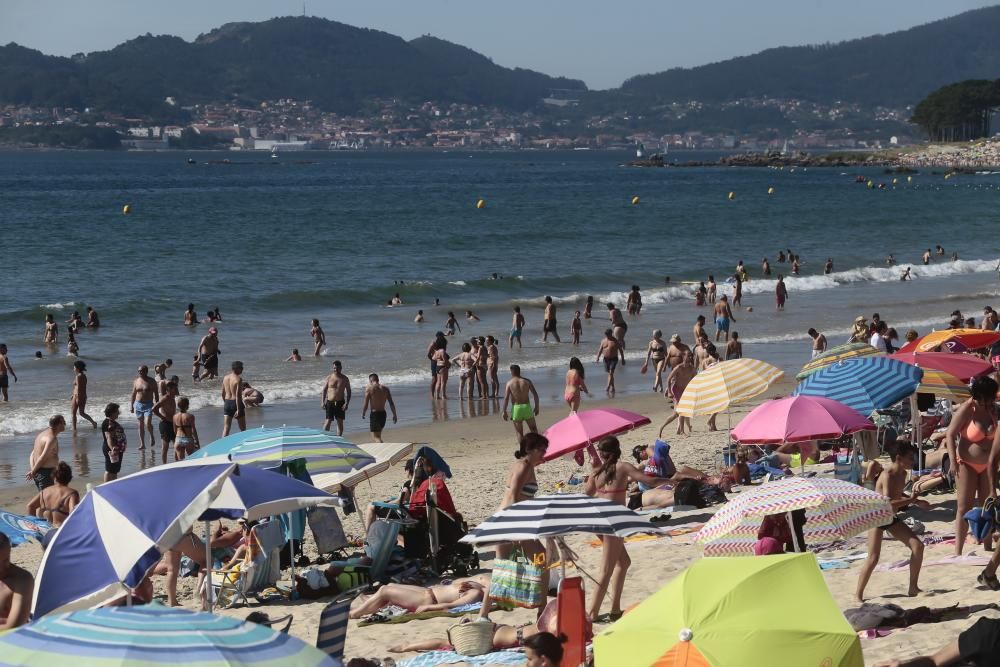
point(419, 599)
point(978, 645)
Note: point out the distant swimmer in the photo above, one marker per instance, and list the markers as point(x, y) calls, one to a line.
point(451, 325)
point(437, 301)
point(7, 371)
point(765, 267)
point(51, 334)
point(549, 325)
point(377, 396)
point(471, 316)
point(905, 275)
point(588, 309)
point(397, 300)
point(939, 250)
point(319, 338)
point(712, 287)
point(890, 260)
point(927, 256)
point(723, 316)
point(634, 302)
point(93, 321)
point(419, 318)
point(190, 317)
point(781, 257)
point(72, 347)
point(516, 327)
point(576, 328)
point(954, 256)
point(828, 267)
point(294, 356)
point(795, 266)
point(518, 394)
point(699, 294)
point(781, 292)
point(75, 323)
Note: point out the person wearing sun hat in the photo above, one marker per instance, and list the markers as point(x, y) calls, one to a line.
point(860, 332)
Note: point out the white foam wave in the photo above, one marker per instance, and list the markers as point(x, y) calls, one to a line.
point(458, 283)
point(57, 306)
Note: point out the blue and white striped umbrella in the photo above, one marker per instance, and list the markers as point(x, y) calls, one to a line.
point(866, 384)
point(322, 451)
point(153, 635)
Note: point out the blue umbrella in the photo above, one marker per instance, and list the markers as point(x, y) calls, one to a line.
point(866, 384)
point(153, 635)
point(321, 450)
point(226, 444)
point(118, 532)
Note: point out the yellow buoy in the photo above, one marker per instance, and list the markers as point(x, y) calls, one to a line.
point(126, 209)
point(870, 184)
point(635, 200)
point(770, 191)
point(481, 203)
point(909, 179)
point(895, 180)
point(732, 196)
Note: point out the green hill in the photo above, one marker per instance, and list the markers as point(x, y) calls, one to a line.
point(893, 70)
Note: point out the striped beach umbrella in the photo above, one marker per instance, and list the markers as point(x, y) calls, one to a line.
point(152, 635)
point(834, 510)
point(943, 385)
point(387, 454)
point(953, 340)
point(834, 354)
point(715, 389)
point(322, 451)
point(866, 385)
point(560, 514)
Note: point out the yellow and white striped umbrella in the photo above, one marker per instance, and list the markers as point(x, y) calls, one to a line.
point(716, 388)
point(943, 385)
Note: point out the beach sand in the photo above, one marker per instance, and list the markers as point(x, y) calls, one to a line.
point(480, 452)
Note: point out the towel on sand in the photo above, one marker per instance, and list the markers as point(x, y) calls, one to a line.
point(432, 658)
point(391, 616)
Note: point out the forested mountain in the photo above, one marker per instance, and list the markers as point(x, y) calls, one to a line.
point(892, 70)
point(338, 67)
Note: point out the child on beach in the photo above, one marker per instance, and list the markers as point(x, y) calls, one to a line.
point(195, 368)
point(576, 328)
point(890, 484)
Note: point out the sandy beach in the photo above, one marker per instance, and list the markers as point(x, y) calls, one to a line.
point(480, 452)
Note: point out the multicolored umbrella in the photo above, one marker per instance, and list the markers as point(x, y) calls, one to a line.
point(719, 612)
point(387, 454)
point(322, 451)
point(583, 428)
point(151, 635)
point(716, 388)
point(953, 340)
point(962, 366)
point(866, 385)
point(799, 419)
point(834, 510)
point(943, 385)
point(839, 353)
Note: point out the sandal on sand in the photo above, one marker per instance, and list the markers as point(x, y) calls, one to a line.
point(609, 617)
point(989, 580)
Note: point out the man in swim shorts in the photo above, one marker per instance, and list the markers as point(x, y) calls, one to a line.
point(232, 399)
point(818, 344)
point(6, 371)
point(45, 454)
point(518, 392)
point(516, 326)
point(723, 316)
point(549, 321)
point(144, 394)
point(336, 398)
point(377, 395)
point(164, 409)
point(208, 350)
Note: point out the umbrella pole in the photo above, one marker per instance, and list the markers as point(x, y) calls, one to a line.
point(915, 429)
point(208, 565)
point(291, 543)
point(795, 536)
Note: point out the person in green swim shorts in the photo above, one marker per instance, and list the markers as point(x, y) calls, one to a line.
point(517, 392)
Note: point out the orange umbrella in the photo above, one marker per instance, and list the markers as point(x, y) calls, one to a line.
point(953, 340)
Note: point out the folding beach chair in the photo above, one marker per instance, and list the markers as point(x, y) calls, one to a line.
point(229, 588)
point(332, 633)
point(327, 530)
point(380, 541)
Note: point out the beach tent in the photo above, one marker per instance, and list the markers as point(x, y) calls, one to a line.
point(720, 612)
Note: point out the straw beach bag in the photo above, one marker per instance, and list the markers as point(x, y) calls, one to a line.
point(473, 638)
point(517, 581)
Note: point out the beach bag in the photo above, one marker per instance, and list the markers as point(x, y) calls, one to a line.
point(517, 581)
point(472, 638)
point(848, 470)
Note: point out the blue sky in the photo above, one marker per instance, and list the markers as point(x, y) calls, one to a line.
point(600, 41)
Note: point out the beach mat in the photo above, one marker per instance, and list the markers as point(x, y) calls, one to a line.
point(411, 616)
point(433, 658)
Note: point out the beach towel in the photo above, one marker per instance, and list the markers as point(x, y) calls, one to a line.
point(433, 658)
point(966, 559)
point(393, 615)
point(19, 528)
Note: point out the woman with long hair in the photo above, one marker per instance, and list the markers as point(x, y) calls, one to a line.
point(575, 384)
point(970, 440)
point(656, 352)
point(523, 485)
point(610, 480)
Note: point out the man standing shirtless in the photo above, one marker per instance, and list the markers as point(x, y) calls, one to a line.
point(144, 394)
point(677, 382)
point(517, 392)
point(5, 370)
point(164, 409)
point(676, 351)
point(45, 454)
point(208, 350)
point(336, 398)
point(723, 316)
point(516, 327)
point(232, 399)
point(549, 321)
point(492, 364)
point(16, 587)
point(818, 344)
point(377, 396)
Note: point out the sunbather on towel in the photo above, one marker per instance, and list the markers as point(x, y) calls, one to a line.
point(419, 599)
point(979, 644)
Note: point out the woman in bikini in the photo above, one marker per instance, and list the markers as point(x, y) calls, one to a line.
point(969, 439)
point(523, 485)
point(575, 385)
point(443, 362)
point(55, 502)
point(656, 352)
point(610, 480)
point(186, 440)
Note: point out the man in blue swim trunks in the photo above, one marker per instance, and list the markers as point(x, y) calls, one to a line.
point(144, 394)
point(516, 327)
point(723, 316)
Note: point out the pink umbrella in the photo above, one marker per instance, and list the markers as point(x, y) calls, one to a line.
point(584, 428)
point(798, 419)
point(962, 366)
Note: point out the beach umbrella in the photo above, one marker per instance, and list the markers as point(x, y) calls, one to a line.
point(118, 532)
point(838, 353)
point(153, 635)
point(386, 455)
point(715, 389)
point(943, 385)
point(799, 419)
point(583, 428)
point(560, 514)
point(866, 385)
point(962, 366)
point(719, 612)
point(953, 340)
point(20, 528)
point(321, 450)
point(835, 510)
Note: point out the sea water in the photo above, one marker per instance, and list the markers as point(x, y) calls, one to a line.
point(276, 242)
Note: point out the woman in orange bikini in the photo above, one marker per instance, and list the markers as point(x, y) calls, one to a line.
point(969, 440)
point(610, 480)
point(575, 385)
